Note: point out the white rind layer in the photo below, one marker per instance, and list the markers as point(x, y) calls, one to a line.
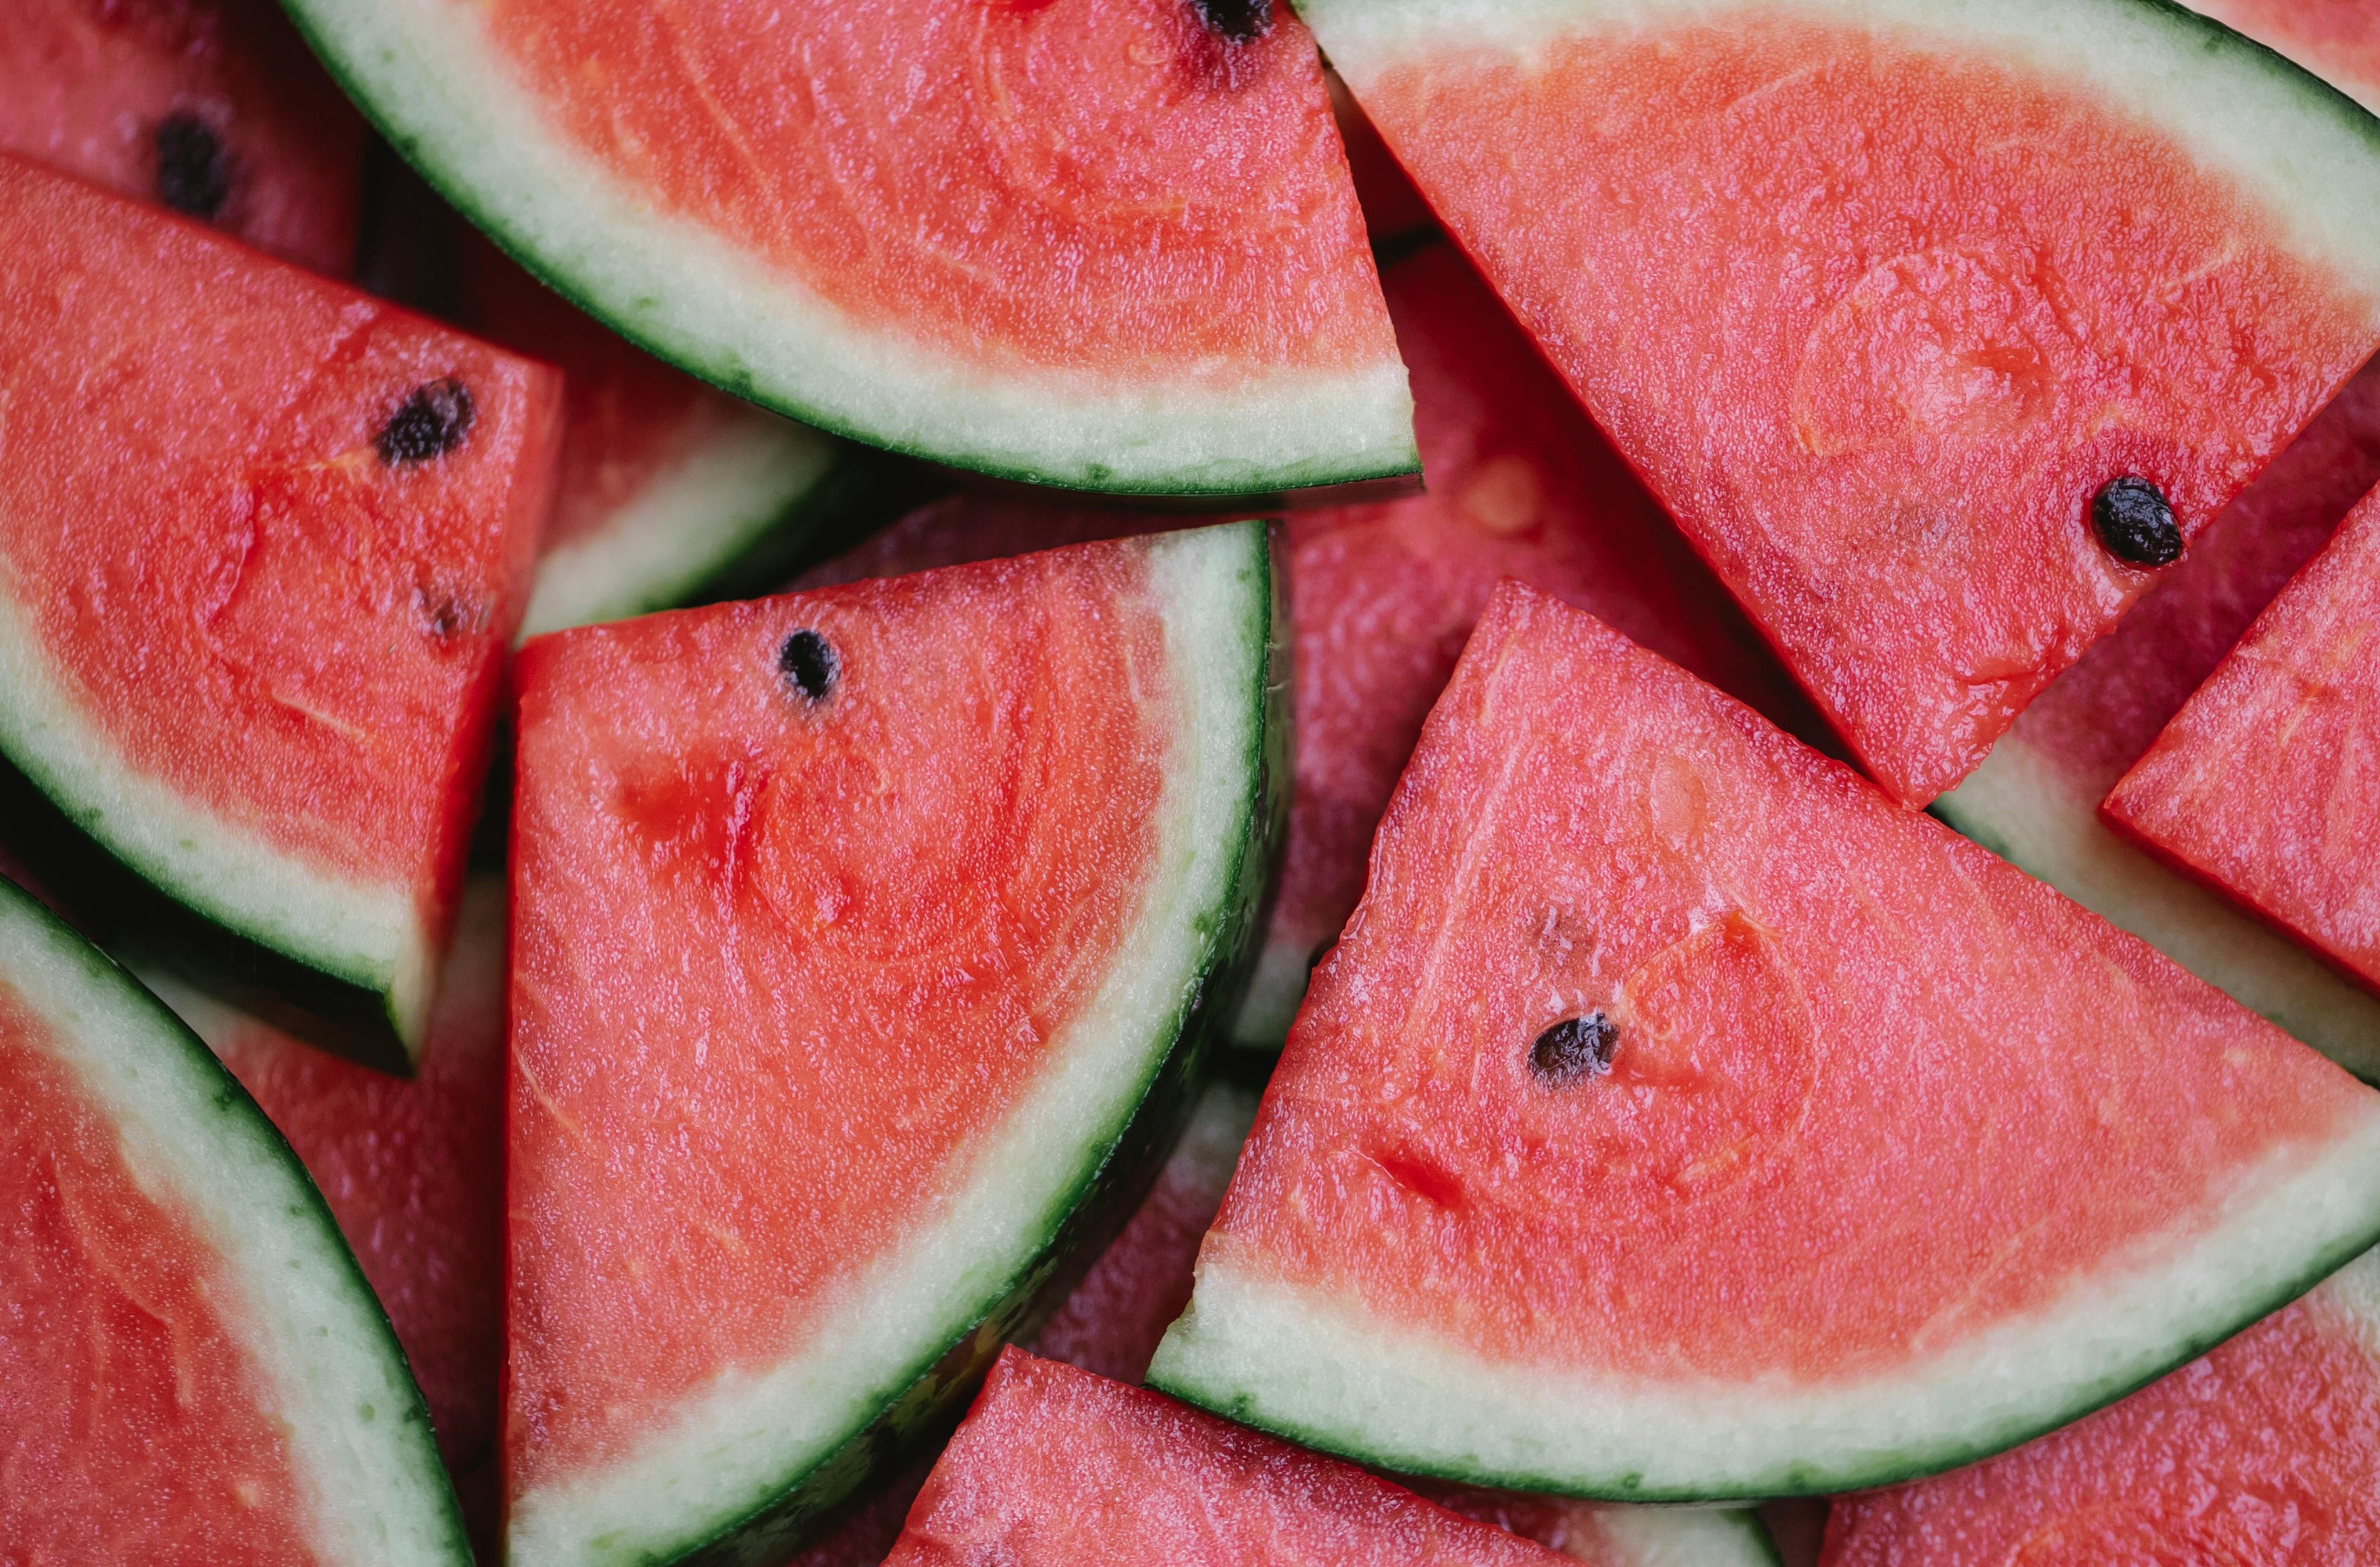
point(689, 523)
point(1683, 1537)
point(426, 72)
point(1323, 1371)
point(359, 1437)
point(2018, 806)
point(2306, 152)
point(736, 1444)
point(374, 935)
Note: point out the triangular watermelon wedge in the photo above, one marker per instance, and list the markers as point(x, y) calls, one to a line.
point(1105, 244)
point(865, 941)
point(1940, 328)
point(192, 1367)
point(257, 576)
point(1058, 1468)
point(1679, 1118)
point(2266, 1452)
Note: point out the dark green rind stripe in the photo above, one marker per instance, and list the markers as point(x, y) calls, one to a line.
point(1302, 483)
point(1115, 1175)
point(126, 909)
point(240, 1121)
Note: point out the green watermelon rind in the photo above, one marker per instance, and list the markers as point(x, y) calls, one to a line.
point(2016, 806)
point(1419, 1388)
point(318, 1330)
point(601, 1518)
point(150, 872)
point(453, 113)
point(734, 518)
point(1689, 1537)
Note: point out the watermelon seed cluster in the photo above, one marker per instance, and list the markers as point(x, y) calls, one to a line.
point(809, 662)
point(434, 419)
point(2135, 524)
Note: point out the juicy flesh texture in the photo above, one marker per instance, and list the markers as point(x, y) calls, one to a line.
point(85, 85)
point(245, 599)
point(2266, 1452)
point(1056, 1467)
point(2336, 40)
point(413, 1172)
point(1101, 185)
point(1796, 968)
point(1885, 390)
point(2096, 720)
point(779, 968)
point(1382, 595)
point(2268, 782)
point(625, 415)
point(138, 1426)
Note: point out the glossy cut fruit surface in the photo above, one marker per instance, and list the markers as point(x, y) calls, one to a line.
point(1111, 245)
point(881, 926)
point(2268, 782)
point(263, 541)
point(1680, 1118)
point(1882, 297)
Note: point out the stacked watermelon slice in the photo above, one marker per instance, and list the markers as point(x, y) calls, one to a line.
point(515, 1046)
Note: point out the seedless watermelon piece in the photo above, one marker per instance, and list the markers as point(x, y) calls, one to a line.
point(864, 941)
point(1382, 594)
point(211, 107)
point(1106, 244)
point(668, 492)
point(192, 1367)
point(2336, 40)
point(2036, 799)
point(1939, 328)
point(2268, 782)
point(1057, 1467)
point(1678, 1119)
point(263, 544)
point(413, 1171)
point(2267, 1451)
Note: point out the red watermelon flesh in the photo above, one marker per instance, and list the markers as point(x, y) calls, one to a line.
point(413, 1171)
point(2336, 40)
point(1055, 1466)
point(2268, 782)
point(2266, 1451)
point(289, 733)
point(1393, 207)
point(139, 1428)
point(1382, 595)
point(1794, 973)
point(1785, 263)
point(212, 107)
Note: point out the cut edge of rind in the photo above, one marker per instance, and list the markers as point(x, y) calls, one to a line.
point(595, 244)
point(194, 1138)
point(603, 1515)
point(1324, 1372)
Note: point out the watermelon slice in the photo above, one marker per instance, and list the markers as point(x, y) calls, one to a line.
point(2267, 1451)
point(2268, 782)
point(211, 107)
point(668, 492)
point(413, 1171)
point(1058, 1468)
point(1940, 328)
point(1680, 1120)
point(925, 225)
point(258, 573)
point(2336, 40)
point(2036, 799)
point(864, 942)
point(192, 1367)
point(1382, 595)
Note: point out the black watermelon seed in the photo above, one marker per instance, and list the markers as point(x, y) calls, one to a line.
point(2134, 523)
point(432, 421)
point(1235, 21)
point(809, 660)
point(1574, 1048)
point(193, 170)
